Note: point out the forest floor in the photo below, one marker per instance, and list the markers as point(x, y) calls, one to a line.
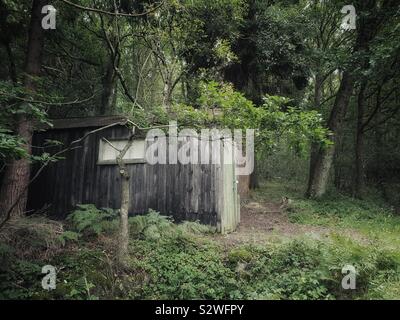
point(294, 252)
point(263, 222)
point(265, 219)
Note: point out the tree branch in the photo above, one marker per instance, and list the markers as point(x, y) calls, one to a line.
point(114, 14)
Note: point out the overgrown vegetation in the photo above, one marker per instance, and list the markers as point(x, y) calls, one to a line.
point(186, 261)
point(324, 103)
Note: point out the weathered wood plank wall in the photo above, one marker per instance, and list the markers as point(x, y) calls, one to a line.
point(186, 192)
point(229, 198)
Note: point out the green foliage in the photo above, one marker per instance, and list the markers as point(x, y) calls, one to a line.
point(19, 279)
point(369, 217)
point(169, 261)
point(277, 118)
point(194, 227)
point(240, 255)
point(32, 236)
point(298, 126)
point(77, 273)
point(180, 268)
point(26, 105)
point(10, 146)
point(45, 158)
point(312, 270)
point(234, 110)
point(289, 272)
point(67, 236)
point(154, 226)
point(216, 25)
point(151, 226)
point(26, 244)
point(188, 116)
point(89, 220)
point(280, 40)
point(220, 105)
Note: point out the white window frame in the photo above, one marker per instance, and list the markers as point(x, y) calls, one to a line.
point(103, 142)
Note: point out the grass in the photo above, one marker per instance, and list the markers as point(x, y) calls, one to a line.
point(370, 220)
point(169, 261)
point(363, 228)
point(273, 191)
point(370, 217)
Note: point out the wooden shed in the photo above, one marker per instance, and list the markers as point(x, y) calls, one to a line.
point(87, 174)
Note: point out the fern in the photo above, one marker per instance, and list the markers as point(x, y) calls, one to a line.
point(150, 226)
point(68, 236)
point(196, 227)
point(90, 220)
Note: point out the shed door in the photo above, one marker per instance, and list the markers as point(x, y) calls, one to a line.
point(230, 209)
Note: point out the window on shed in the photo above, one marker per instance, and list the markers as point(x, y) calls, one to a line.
point(108, 154)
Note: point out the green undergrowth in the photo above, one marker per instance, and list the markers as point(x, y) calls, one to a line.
point(184, 261)
point(373, 220)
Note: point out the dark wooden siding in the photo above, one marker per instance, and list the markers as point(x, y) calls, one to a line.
point(186, 192)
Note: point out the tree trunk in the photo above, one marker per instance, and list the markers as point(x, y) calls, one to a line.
point(317, 106)
point(13, 195)
point(124, 227)
point(12, 69)
point(123, 253)
point(253, 181)
point(109, 88)
point(167, 95)
point(319, 177)
point(368, 24)
point(359, 147)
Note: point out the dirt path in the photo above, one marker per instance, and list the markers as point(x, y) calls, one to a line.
point(261, 222)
